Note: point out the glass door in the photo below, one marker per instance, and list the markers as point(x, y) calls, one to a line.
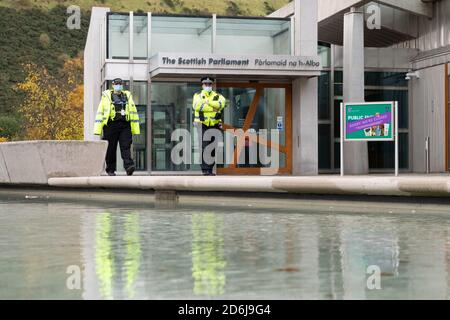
point(163, 124)
point(172, 110)
point(255, 108)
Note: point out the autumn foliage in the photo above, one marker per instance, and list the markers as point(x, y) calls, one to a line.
point(53, 105)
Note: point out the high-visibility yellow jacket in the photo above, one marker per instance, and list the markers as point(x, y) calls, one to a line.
point(207, 107)
point(106, 110)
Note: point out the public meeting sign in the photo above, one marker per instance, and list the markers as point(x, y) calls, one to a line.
point(369, 121)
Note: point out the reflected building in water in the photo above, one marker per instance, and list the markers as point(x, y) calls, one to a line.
point(202, 254)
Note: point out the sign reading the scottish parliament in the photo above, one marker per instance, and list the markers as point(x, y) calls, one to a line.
point(188, 63)
point(369, 121)
point(254, 62)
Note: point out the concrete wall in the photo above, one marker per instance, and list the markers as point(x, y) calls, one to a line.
point(381, 185)
point(305, 138)
point(432, 33)
point(394, 19)
point(427, 112)
point(34, 162)
point(381, 58)
point(94, 56)
point(4, 177)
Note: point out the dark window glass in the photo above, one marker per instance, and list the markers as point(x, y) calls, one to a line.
point(324, 146)
point(337, 118)
point(385, 79)
point(338, 83)
point(401, 96)
point(337, 155)
point(338, 77)
point(140, 141)
point(338, 89)
point(324, 96)
point(381, 154)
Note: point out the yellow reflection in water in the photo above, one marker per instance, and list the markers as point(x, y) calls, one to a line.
point(104, 253)
point(208, 263)
point(133, 252)
point(104, 263)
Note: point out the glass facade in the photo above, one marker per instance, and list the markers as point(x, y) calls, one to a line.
point(140, 37)
point(140, 142)
point(324, 52)
point(324, 114)
point(189, 34)
point(381, 154)
point(171, 110)
point(324, 146)
point(379, 86)
point(270, 108)
point(118, 36)
point(181, 34)
point(172, 101)
point(324, 96)
point(171, 105)
point(253, 36)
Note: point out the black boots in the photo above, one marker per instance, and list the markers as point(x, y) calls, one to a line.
point(130, 170)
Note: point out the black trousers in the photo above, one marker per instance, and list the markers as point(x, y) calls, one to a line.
point(205, 166)
point(118, 132)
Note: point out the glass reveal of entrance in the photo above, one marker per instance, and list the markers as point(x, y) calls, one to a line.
point(250, 107)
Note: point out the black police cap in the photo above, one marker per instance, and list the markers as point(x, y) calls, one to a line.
point(207, 80)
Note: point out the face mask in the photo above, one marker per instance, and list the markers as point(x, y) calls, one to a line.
point(118, 87)
point(207, 89)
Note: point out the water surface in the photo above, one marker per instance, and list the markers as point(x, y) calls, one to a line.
point(196, 253)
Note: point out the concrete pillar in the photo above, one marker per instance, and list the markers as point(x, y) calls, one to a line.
point(94, 53)
point(355, 153)
point(305, 101)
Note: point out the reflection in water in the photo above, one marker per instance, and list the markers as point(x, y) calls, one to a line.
point(103, 255)
point(126, 253)
point(208, 261)
point(376, 246)
point(133, 252)
point(107, 257)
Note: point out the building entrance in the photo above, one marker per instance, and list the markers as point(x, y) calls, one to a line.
point(255, 107)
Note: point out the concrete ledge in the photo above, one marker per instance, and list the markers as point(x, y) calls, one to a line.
point(34, 162)
point(413, 185)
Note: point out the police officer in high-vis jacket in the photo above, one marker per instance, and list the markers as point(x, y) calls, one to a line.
point(208, 106)
point(117, 117)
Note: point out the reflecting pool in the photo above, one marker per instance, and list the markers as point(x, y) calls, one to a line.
point(60, 250)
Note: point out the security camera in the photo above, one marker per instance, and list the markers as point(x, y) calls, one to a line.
point(410, 75)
